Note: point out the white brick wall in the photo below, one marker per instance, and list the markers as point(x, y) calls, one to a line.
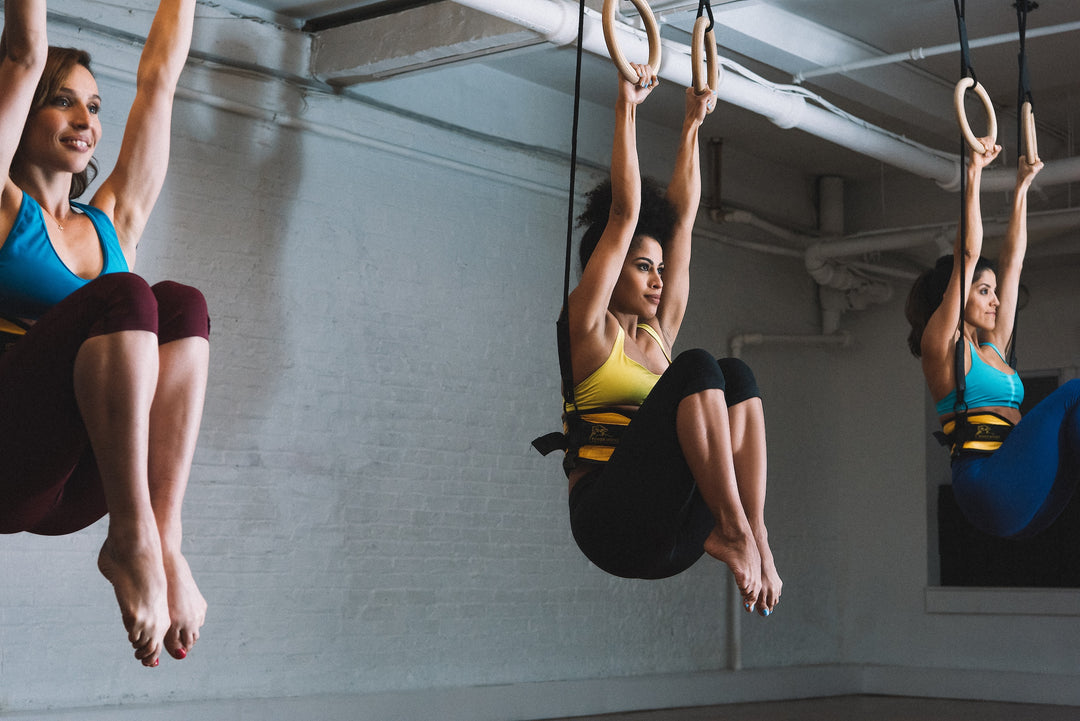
point(365, 513)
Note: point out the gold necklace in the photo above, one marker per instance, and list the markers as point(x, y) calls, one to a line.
point(53, 218)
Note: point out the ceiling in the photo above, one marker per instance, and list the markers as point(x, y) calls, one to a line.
point(787, 42)
point(778, 39)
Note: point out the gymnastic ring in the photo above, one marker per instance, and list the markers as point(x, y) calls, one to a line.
point(961, 114)
point(1031, 141)
point(704, 43)
point(651, 29)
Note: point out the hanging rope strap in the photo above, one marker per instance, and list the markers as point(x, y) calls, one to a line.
point(968, 73)
point(1026, 141)
point(703, 52)
point(616, 53)
point(557, 441)
point(968, 80)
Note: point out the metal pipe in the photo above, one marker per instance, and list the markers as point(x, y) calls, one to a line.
point(740, 341)
point(920, 53)
point(556, 21)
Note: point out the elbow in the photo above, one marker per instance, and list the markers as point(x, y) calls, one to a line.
point(157, 81)
point(28, 50)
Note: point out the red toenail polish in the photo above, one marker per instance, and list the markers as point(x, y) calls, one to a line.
point(156, 662)
point(180, 654)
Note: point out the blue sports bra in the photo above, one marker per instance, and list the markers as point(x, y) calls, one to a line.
point(32, 276)
point(985, 386)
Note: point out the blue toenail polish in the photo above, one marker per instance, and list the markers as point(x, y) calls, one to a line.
point(766, 612)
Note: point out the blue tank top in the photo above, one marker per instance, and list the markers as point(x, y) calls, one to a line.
point(985, 386)
point(32, 276)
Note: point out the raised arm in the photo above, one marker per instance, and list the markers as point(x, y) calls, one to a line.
point(129, 193)
point(1011, 258)
point(589, 300)
point(23, 50)
point(684, 192)
point(940, 335)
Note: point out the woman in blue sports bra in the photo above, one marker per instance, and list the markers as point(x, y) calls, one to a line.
point(101, 398)
point(1011, 476)
point(666, 458)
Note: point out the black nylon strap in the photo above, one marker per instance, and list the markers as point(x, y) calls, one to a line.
point(705, 8)
point(966, 70)
point(1023, 95)
point(562, 325)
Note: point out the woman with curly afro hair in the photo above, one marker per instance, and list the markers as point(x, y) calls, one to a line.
point(666, 458)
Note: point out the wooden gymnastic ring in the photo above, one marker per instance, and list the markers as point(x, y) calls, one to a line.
point(1031, 141)
point(961, 114)
point(704, 43)
point(651, 29)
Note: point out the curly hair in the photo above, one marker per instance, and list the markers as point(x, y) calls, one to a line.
point(58, 65)
point(656, 218)
point(926, 295)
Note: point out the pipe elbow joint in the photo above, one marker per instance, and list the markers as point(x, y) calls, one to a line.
point(953, 184)
point(790, 112)
point(566, 28)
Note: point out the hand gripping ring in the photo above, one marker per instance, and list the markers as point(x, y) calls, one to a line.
point(651, 29)
point(1031, 142)
point(961, 114)
point(704, 43)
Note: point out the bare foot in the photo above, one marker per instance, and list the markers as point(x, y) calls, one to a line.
point(739, 551)
point(770, 579)
point(187, 607)
point(138, 579)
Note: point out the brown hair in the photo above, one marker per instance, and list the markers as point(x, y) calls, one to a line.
point(60, 63)
point(926, 295)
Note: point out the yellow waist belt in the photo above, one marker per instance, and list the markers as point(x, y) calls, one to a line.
point(9, 333)
point(9, 327)
point(589, 435)
point(981, 433)
point(593, 435)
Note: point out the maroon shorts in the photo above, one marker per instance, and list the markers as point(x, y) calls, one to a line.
point(49, 482)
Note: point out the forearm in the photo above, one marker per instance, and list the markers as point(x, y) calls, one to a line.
point(24, 40)
point(167, 45)
point(1015, 246)
point(684, 191)
point(625, 170)
point(971, 243)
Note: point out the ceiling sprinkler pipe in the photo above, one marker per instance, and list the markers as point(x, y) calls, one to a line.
point(556, 21)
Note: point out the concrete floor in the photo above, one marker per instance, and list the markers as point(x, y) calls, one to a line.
point(856, 708)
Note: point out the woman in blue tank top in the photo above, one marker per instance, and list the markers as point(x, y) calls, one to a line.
point(686, 475)
point(1011, 476)
point(102, 398)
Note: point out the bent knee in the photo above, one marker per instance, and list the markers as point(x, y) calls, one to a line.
point(125, 302)
point(182, 311)
point(741, 382)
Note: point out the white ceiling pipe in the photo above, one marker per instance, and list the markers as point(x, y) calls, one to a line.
point(740, 341)
point(556, 21)
point(1057, 172)
point(920, 53)
point(1050, 222)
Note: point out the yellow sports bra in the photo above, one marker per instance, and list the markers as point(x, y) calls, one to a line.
point(620, 381)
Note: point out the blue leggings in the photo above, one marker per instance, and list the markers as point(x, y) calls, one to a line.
point(640, 515)
point(1021, 488)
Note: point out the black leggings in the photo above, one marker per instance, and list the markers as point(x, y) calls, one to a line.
point(640, 515)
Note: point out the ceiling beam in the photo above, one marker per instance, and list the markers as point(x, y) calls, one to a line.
point(414, 39)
